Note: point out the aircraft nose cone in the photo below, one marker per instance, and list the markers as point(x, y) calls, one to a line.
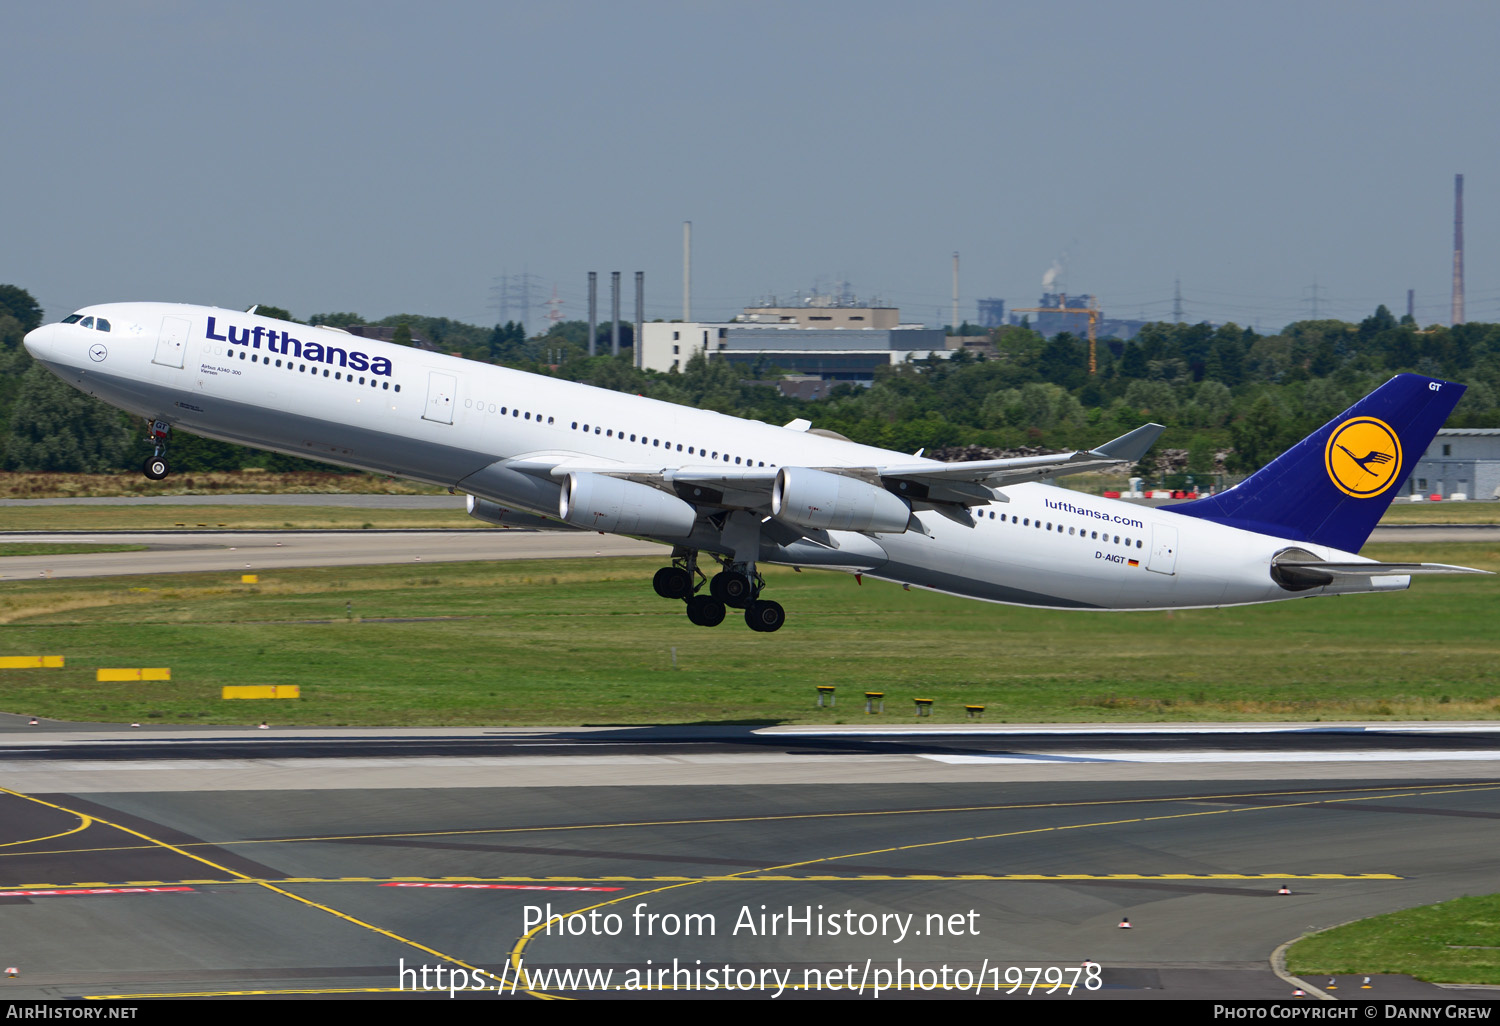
point(38, 341)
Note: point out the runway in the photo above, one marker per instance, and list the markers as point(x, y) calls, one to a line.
point(320, 862)
point(249, 552)
point(252, 551)
point(345, 501)
point(213, 861)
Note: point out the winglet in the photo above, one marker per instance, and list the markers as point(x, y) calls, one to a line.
point(1130, 447)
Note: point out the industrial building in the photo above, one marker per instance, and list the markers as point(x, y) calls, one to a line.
point(1460, 463)
point(991, 313)
point(833, 353)
point(830, 316)
point(1058, 312)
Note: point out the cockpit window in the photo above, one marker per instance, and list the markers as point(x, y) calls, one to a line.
point(72, 318)
point(101, 324)
point(88, 322)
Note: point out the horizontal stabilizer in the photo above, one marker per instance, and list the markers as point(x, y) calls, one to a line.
point(1299, 570)
point(1380, 569)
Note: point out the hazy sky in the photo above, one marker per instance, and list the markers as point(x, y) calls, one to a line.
point(400, 157)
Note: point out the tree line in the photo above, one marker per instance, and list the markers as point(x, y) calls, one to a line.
point(1215, 388)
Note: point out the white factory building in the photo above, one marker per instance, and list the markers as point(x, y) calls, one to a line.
point(1460, 463)
point(833, 343)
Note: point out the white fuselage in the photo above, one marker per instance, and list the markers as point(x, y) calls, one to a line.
point(397, 410)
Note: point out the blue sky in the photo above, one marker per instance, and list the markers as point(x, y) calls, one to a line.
point(399, 157)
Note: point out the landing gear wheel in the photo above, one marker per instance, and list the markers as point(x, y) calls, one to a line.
point(738, 590)
point(765, 616)
point(705, 611)
point(716, 585)
point(672, 582)
point(157, 467)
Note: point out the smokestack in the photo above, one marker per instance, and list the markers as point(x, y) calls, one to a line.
point(614, 313)
point(593, 309)
point(955, 293)
point(687, 270)
point(640, 316)
point(1411, 304)
point(1458, 249)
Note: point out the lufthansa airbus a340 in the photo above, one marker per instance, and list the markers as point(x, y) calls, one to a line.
point(537, 452)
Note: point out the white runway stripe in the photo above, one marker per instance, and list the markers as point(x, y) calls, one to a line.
point(1198, 757)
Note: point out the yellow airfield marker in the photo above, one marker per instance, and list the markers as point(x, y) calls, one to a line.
point(134, 673)
point(30, 662)
point(263, 691)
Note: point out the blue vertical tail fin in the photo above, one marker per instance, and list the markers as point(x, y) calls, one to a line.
point(1333, 487)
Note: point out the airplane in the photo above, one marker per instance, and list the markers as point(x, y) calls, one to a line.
point(537, 452)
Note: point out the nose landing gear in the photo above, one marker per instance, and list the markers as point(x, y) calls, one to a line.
point(157, 467)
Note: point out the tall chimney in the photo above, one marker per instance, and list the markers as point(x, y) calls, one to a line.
point(593, 309)
point(640, 317)
point(687, 270)
point(955, 293)
point(614, 313)
point(1458, 249)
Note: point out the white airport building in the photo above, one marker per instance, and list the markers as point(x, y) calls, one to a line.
point(1461, 463)
point(833, 343)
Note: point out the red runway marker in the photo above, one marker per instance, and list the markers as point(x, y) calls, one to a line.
point(502, 887)
point(94, 890)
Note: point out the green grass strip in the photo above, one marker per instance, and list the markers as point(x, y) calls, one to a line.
point(586, 641)
point(1453, 942)
point(61, 548)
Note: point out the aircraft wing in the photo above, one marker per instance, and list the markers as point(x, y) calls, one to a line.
point(931, 484)
point(974, 482)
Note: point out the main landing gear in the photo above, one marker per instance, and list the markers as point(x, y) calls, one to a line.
point(737, 586)
point(156, 466)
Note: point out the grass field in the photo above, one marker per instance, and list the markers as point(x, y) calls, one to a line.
point(61, 548)
point(279, 518)
point(1454, 942)
point(23, 485)
point(1442, 513)
point(237, 518)
point(587, 642)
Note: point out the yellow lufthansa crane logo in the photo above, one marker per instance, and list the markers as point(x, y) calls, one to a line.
point(1363, 457)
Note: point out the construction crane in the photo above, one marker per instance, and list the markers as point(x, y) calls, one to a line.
point(1062, 307)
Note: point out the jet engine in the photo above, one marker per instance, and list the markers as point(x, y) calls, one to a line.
point(504, 516)
point(813, 498)
point(599, 503)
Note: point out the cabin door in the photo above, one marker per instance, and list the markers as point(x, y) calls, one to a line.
point(1163, 549)
point(171, 344)
point(440, 391)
